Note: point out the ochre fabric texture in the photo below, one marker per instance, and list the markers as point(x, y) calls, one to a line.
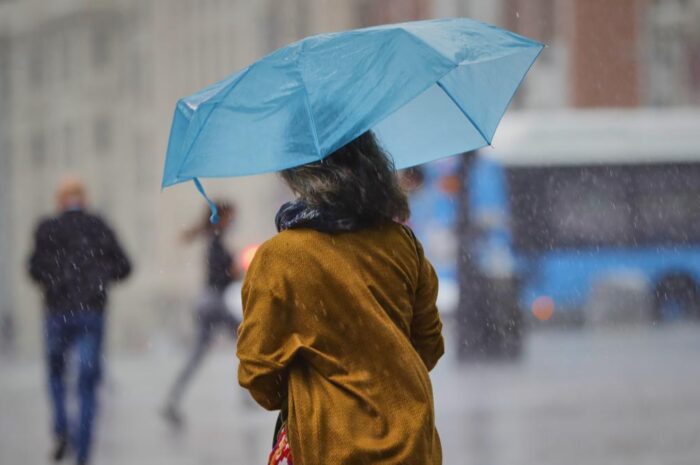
point(343, 328)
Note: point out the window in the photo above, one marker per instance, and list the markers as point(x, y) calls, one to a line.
point(103, 135)
point(373, 12)
point(276, 16)
point(69, 155)
point(4, 70)
point(547, 20)
point(569, 207)
point(142, 164)
point(666, 204)
point(36, 66)
point(303, 22)
point(67, 63)
point(6, 160)
point(589, 207)
point(37, 148)
point(673, 52)
point(580, 207)
point(101, 45)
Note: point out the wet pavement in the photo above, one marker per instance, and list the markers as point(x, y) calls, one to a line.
point(577, 397)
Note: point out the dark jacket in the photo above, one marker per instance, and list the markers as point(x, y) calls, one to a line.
point(76, 257)
point(219, 262)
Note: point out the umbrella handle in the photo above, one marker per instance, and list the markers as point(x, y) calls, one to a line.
point(214, 218)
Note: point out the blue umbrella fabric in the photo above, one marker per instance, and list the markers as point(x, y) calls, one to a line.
point(429, 89)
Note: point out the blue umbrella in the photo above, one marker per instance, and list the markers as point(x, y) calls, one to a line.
point(428, 89)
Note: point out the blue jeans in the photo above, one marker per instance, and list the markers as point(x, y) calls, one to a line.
point(82, 330)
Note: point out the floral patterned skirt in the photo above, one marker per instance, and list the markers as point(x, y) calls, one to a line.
point(281, 453)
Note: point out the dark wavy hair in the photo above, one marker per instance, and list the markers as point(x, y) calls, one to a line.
point(358, 180)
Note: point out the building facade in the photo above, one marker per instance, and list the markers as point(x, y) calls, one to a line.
point(88, 87)
point(672, 52)
point(625, 53)
point(91, 87)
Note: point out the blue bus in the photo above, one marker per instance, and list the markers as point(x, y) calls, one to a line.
point(565, 200)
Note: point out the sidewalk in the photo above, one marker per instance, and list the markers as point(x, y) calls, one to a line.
point(577, 398)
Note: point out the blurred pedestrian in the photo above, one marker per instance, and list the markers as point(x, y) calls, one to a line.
point(211, 312)
point(340, 326)
point(76, 258)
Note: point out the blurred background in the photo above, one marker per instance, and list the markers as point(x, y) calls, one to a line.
point(569, 252)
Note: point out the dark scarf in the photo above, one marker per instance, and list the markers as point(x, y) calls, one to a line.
point(297, 214)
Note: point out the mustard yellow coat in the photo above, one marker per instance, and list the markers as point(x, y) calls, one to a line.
point(343, 328)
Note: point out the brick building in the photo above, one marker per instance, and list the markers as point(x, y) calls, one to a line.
point(625, 53)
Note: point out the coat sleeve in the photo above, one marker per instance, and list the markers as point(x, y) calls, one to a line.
point(115, 261)
point(426, 327)
point(42, 261)
point(266, 340)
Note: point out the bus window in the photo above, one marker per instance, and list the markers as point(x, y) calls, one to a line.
point(667, 204)
point(583, 207)
point(588, 207)
point(569, 207)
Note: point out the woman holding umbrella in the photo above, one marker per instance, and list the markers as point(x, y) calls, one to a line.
point(340, 326)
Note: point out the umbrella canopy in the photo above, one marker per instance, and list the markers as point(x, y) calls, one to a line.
point(428, 89)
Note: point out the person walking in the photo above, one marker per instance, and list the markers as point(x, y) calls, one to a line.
point(76, 258)
point(340, 325)
point(211, 312)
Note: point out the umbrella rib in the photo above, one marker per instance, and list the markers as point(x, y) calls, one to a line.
point(466, 115)
point(462, 62)
point(425, 44)
point(307, 101)
point(312, 121)
point(201, 126)
point(527, 71)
